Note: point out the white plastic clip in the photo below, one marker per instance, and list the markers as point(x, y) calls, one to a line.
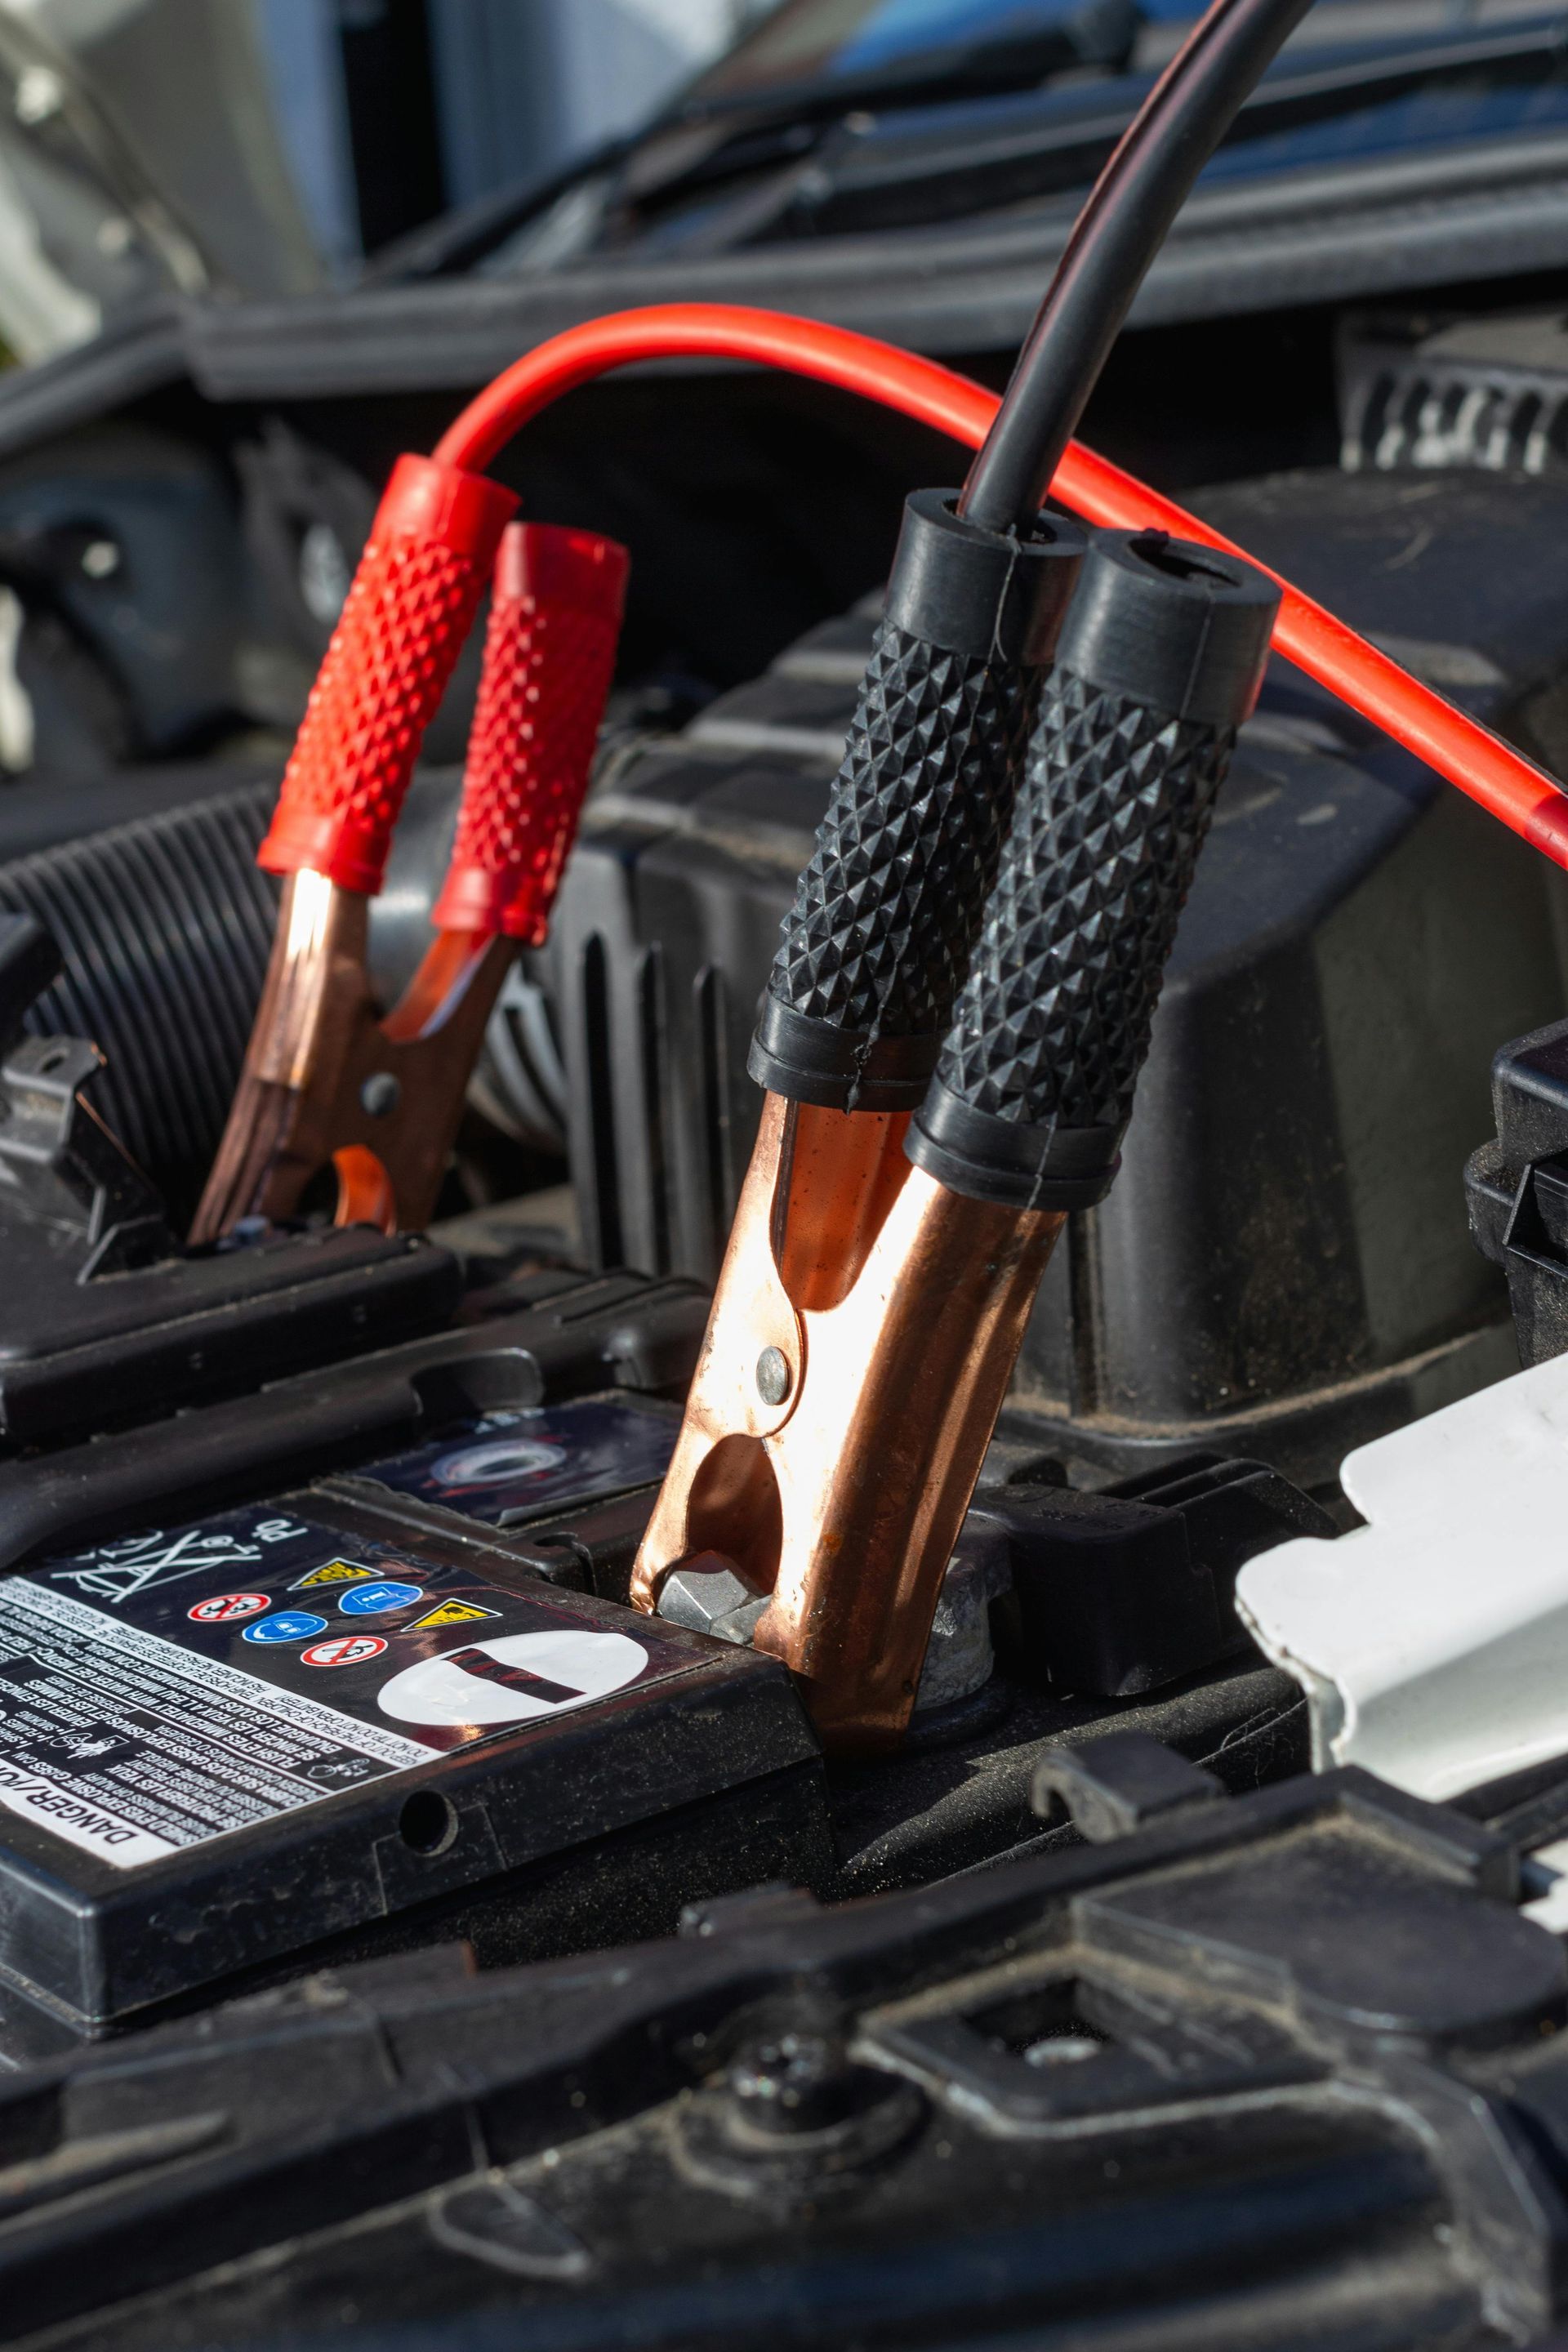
point(1432, 1643)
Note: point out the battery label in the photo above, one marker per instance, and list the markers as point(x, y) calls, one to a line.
point(131, 1748)
point(175, 1686)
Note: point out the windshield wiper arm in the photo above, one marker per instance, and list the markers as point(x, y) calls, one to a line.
point(701, 139)
point(1098, 32)
point(1052, 144)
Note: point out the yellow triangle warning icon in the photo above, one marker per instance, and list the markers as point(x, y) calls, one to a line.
point(333, 1571)
point(451, 1612)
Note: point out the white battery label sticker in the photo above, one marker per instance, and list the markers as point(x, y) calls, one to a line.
point(132, 1748)
point(519, 1675)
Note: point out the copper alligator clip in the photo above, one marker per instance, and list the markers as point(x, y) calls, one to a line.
point(330, 1078)
point(881, 1269)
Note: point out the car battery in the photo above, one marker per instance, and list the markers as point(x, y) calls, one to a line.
point(353, 1717)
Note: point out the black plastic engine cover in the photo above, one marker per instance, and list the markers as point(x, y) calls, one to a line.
point(1283, 1266)
point(1286, 2071)
point(1517, 1187)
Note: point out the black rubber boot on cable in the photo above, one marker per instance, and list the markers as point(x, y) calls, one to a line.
point(878, 942)
point(1158, 661)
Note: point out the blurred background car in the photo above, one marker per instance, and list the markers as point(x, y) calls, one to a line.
point(250, 249)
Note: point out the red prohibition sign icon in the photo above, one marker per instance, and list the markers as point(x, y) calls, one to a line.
point(228, 1608)
point(343, 1650)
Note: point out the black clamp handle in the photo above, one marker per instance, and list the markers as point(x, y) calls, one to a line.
point(877, 944)
point(1158, 661)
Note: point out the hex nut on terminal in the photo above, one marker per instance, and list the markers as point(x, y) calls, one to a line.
point(708, 1596)
point(959, 1658)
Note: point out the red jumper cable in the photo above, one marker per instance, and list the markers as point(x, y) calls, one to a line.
point(328, 1079)
point(1523, 797)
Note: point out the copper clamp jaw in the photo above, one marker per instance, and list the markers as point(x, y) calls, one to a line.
point(328, 1081)
point(863, 1334)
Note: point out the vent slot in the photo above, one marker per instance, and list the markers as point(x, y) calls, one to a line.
point(1419, 401)
point(608, 1245)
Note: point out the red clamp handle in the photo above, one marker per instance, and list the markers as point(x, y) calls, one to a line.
point(550, 655)
point(409, 609)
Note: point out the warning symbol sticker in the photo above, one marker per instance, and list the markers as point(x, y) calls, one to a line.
point(451, 1612)
point(288, 1626)
point(228, 1608)
point(343, 1650)
point(379, 1598)
point(334, 1571)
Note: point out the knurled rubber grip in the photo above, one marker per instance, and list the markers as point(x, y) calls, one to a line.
point(408, 610)
point(876, 943)
point(550, 655)
point(1159, 662)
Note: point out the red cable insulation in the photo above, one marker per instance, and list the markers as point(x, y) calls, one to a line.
point(1470, 755)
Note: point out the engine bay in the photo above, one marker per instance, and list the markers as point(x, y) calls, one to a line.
point(695, 1645)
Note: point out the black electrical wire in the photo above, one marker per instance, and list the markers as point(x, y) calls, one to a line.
point(1120, 229)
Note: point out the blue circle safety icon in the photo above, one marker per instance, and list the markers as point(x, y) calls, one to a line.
point(287, 1625)
point(374, 1600)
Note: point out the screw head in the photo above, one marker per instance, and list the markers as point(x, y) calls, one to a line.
point(380, 1094)
point(795, 2083)
point(774, 1376)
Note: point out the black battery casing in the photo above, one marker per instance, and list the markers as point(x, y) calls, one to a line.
point(596, 1821)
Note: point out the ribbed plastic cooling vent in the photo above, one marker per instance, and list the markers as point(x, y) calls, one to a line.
point(1416, 396)
point(1413, 419)
point(165, 925)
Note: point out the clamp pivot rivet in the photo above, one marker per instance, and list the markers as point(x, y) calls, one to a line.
point(772, 1376)
point(380, 1094)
